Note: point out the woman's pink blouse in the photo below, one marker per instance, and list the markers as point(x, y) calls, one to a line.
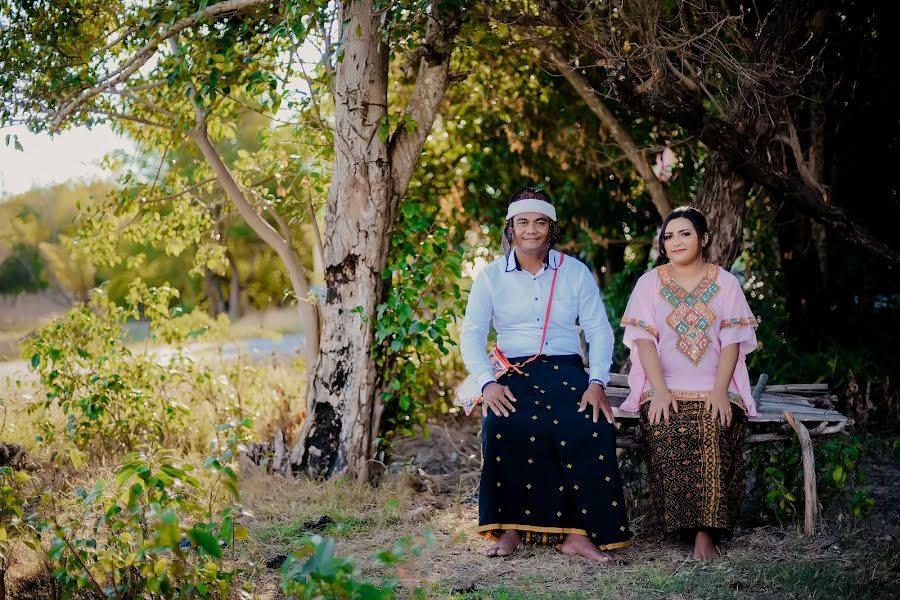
point(689, 330)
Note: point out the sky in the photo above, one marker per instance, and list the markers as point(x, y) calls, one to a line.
point(70, 155)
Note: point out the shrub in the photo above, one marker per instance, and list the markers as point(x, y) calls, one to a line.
point(778, 475)
point(155, 530)
point(314, 571)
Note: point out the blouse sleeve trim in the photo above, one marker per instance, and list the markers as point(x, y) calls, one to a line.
point(640, 324)
point(741, 322)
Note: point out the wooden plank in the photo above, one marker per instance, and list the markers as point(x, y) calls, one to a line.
point(798, 387)
point(801, 400)
point(618, 379)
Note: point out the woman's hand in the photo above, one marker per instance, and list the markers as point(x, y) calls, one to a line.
point(595, 395)
point(498, 398)
point(720, 406)
point(660, 404)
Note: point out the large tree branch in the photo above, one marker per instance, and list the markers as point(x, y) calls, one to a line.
point(269, 235)
point(623, 138)
point(139, 58)
point(730, 137)
point(433, 78)
point(732, 145)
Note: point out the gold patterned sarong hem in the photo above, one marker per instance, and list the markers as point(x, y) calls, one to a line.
point(543, 535)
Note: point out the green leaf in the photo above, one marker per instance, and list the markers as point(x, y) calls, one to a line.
point(35, 360)
point(201, 538)
point(227, 529)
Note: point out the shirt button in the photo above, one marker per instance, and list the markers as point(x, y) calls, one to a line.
point(535, 298)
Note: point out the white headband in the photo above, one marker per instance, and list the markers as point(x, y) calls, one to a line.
point(530, 205)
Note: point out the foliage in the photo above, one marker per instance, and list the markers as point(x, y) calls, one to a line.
point(778, 475)
point(314, 571)
point(412, 328)
point(112, 397)
point(157, 529)
point(15, 527)
point(22, 271)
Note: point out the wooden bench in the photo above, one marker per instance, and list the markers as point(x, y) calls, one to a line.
point(783, 404)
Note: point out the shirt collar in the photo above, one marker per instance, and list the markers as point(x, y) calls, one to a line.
point(550, 262)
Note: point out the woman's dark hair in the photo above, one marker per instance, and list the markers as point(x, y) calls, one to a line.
point(697, 219)
point(530, 193)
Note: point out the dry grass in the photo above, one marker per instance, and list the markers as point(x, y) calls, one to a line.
point(432, 485)
point(846, 558)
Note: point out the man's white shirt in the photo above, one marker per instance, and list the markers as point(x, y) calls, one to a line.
point(516, 300)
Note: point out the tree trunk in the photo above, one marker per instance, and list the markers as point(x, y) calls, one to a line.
point(336, 437)
point(234, 290)
point(370, 176)
point(721, 197)
point(213, 293)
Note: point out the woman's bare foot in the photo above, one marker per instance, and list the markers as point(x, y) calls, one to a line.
point(508, 543)
point(704, 546)
point(580, 545)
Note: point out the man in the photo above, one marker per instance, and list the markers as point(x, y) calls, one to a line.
point(549, 471)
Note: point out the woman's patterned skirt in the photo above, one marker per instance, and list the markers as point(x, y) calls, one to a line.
point(695, 466)
point(547, 469)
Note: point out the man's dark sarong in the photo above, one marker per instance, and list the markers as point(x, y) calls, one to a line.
point(549, 470)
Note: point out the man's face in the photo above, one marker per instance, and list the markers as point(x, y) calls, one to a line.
point(531, 231)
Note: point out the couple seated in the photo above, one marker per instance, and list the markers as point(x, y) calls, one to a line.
point(549, 472)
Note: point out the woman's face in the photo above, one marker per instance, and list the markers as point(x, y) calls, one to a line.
point(531, 232)
point(681, 243)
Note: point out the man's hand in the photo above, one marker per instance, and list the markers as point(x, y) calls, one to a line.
point(595, 395)
point(498, 398)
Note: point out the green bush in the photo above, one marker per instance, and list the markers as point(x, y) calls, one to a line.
point(313, 571)
point(413, 334)
point(778, 474)
point(157, 530)
point(113, 399)
point(15, 527)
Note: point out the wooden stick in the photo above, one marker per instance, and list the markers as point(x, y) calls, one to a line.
point(759, 387)
point(810, 498)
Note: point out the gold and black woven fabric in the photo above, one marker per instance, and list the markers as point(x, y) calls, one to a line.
point(547, 469)
point(695, 466)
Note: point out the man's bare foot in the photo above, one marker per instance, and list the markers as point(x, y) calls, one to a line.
point(704, 546)
point(508, 543)
point(580, 545)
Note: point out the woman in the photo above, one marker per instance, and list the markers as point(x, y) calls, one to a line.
point(549, 472)
point(689, 329)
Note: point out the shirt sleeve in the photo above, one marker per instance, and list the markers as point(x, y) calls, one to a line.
point(639, 319)
point(595, 324)
point(475, 327)
point(738, 325)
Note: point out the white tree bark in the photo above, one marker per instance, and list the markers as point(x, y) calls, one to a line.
point(370, 176)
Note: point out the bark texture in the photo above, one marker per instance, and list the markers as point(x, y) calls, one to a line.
point(370, 176)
